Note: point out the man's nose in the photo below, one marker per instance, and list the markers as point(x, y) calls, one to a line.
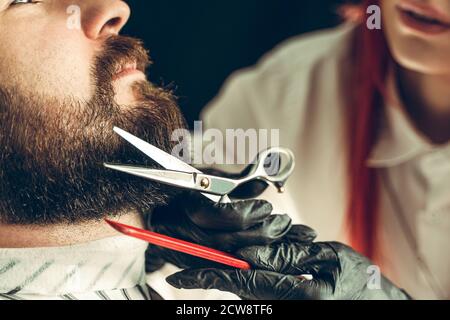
point(102, 18)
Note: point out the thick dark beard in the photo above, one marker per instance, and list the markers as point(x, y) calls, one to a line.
point(51, 164)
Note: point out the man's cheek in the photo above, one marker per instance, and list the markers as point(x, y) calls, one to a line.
point(72, 69)
point(58, 69)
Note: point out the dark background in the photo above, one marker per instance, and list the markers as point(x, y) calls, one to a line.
point(196, 44)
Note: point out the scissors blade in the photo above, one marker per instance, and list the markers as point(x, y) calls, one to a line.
point(173, 178)
point(164, 159)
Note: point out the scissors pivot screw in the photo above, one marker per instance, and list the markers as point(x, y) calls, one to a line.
point(205, 183)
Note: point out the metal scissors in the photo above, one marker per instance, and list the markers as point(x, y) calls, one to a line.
point(180, 174)
point(274, 166)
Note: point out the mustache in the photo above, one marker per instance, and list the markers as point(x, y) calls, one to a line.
point(118, 52)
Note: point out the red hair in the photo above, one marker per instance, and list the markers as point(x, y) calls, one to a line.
point(372, 58)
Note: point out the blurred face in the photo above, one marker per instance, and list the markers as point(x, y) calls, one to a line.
point(418, 33)
point(66, 79)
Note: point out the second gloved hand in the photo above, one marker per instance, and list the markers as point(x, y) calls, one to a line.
point(222, 226)
point(339, 273)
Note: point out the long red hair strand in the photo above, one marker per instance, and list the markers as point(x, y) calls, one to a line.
point(372, 59)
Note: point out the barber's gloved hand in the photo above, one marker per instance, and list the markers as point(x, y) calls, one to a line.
point(339, 273)
point(228, 227)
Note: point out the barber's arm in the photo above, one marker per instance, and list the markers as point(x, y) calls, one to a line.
point(339, 273)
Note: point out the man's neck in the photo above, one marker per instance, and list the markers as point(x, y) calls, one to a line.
point(427, 100)
point(30, 236)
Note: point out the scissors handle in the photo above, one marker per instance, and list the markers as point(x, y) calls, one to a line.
point(274, 165)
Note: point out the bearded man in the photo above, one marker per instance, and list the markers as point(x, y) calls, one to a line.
point(62, 90)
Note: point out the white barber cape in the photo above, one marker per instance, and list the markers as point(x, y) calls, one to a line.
point(108, 269)
point(299, 88)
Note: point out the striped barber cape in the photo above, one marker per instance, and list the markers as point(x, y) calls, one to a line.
point(108, 269)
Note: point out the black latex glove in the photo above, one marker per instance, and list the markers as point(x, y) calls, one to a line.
point(339, 273)
point(227, 227)
point(192, 217)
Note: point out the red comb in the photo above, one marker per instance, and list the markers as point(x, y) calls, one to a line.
point(180, 245)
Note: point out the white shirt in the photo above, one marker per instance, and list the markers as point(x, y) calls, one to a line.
point(300, 88)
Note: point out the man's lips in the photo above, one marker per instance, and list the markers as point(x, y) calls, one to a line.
point(126, 69)
point(423, 17)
